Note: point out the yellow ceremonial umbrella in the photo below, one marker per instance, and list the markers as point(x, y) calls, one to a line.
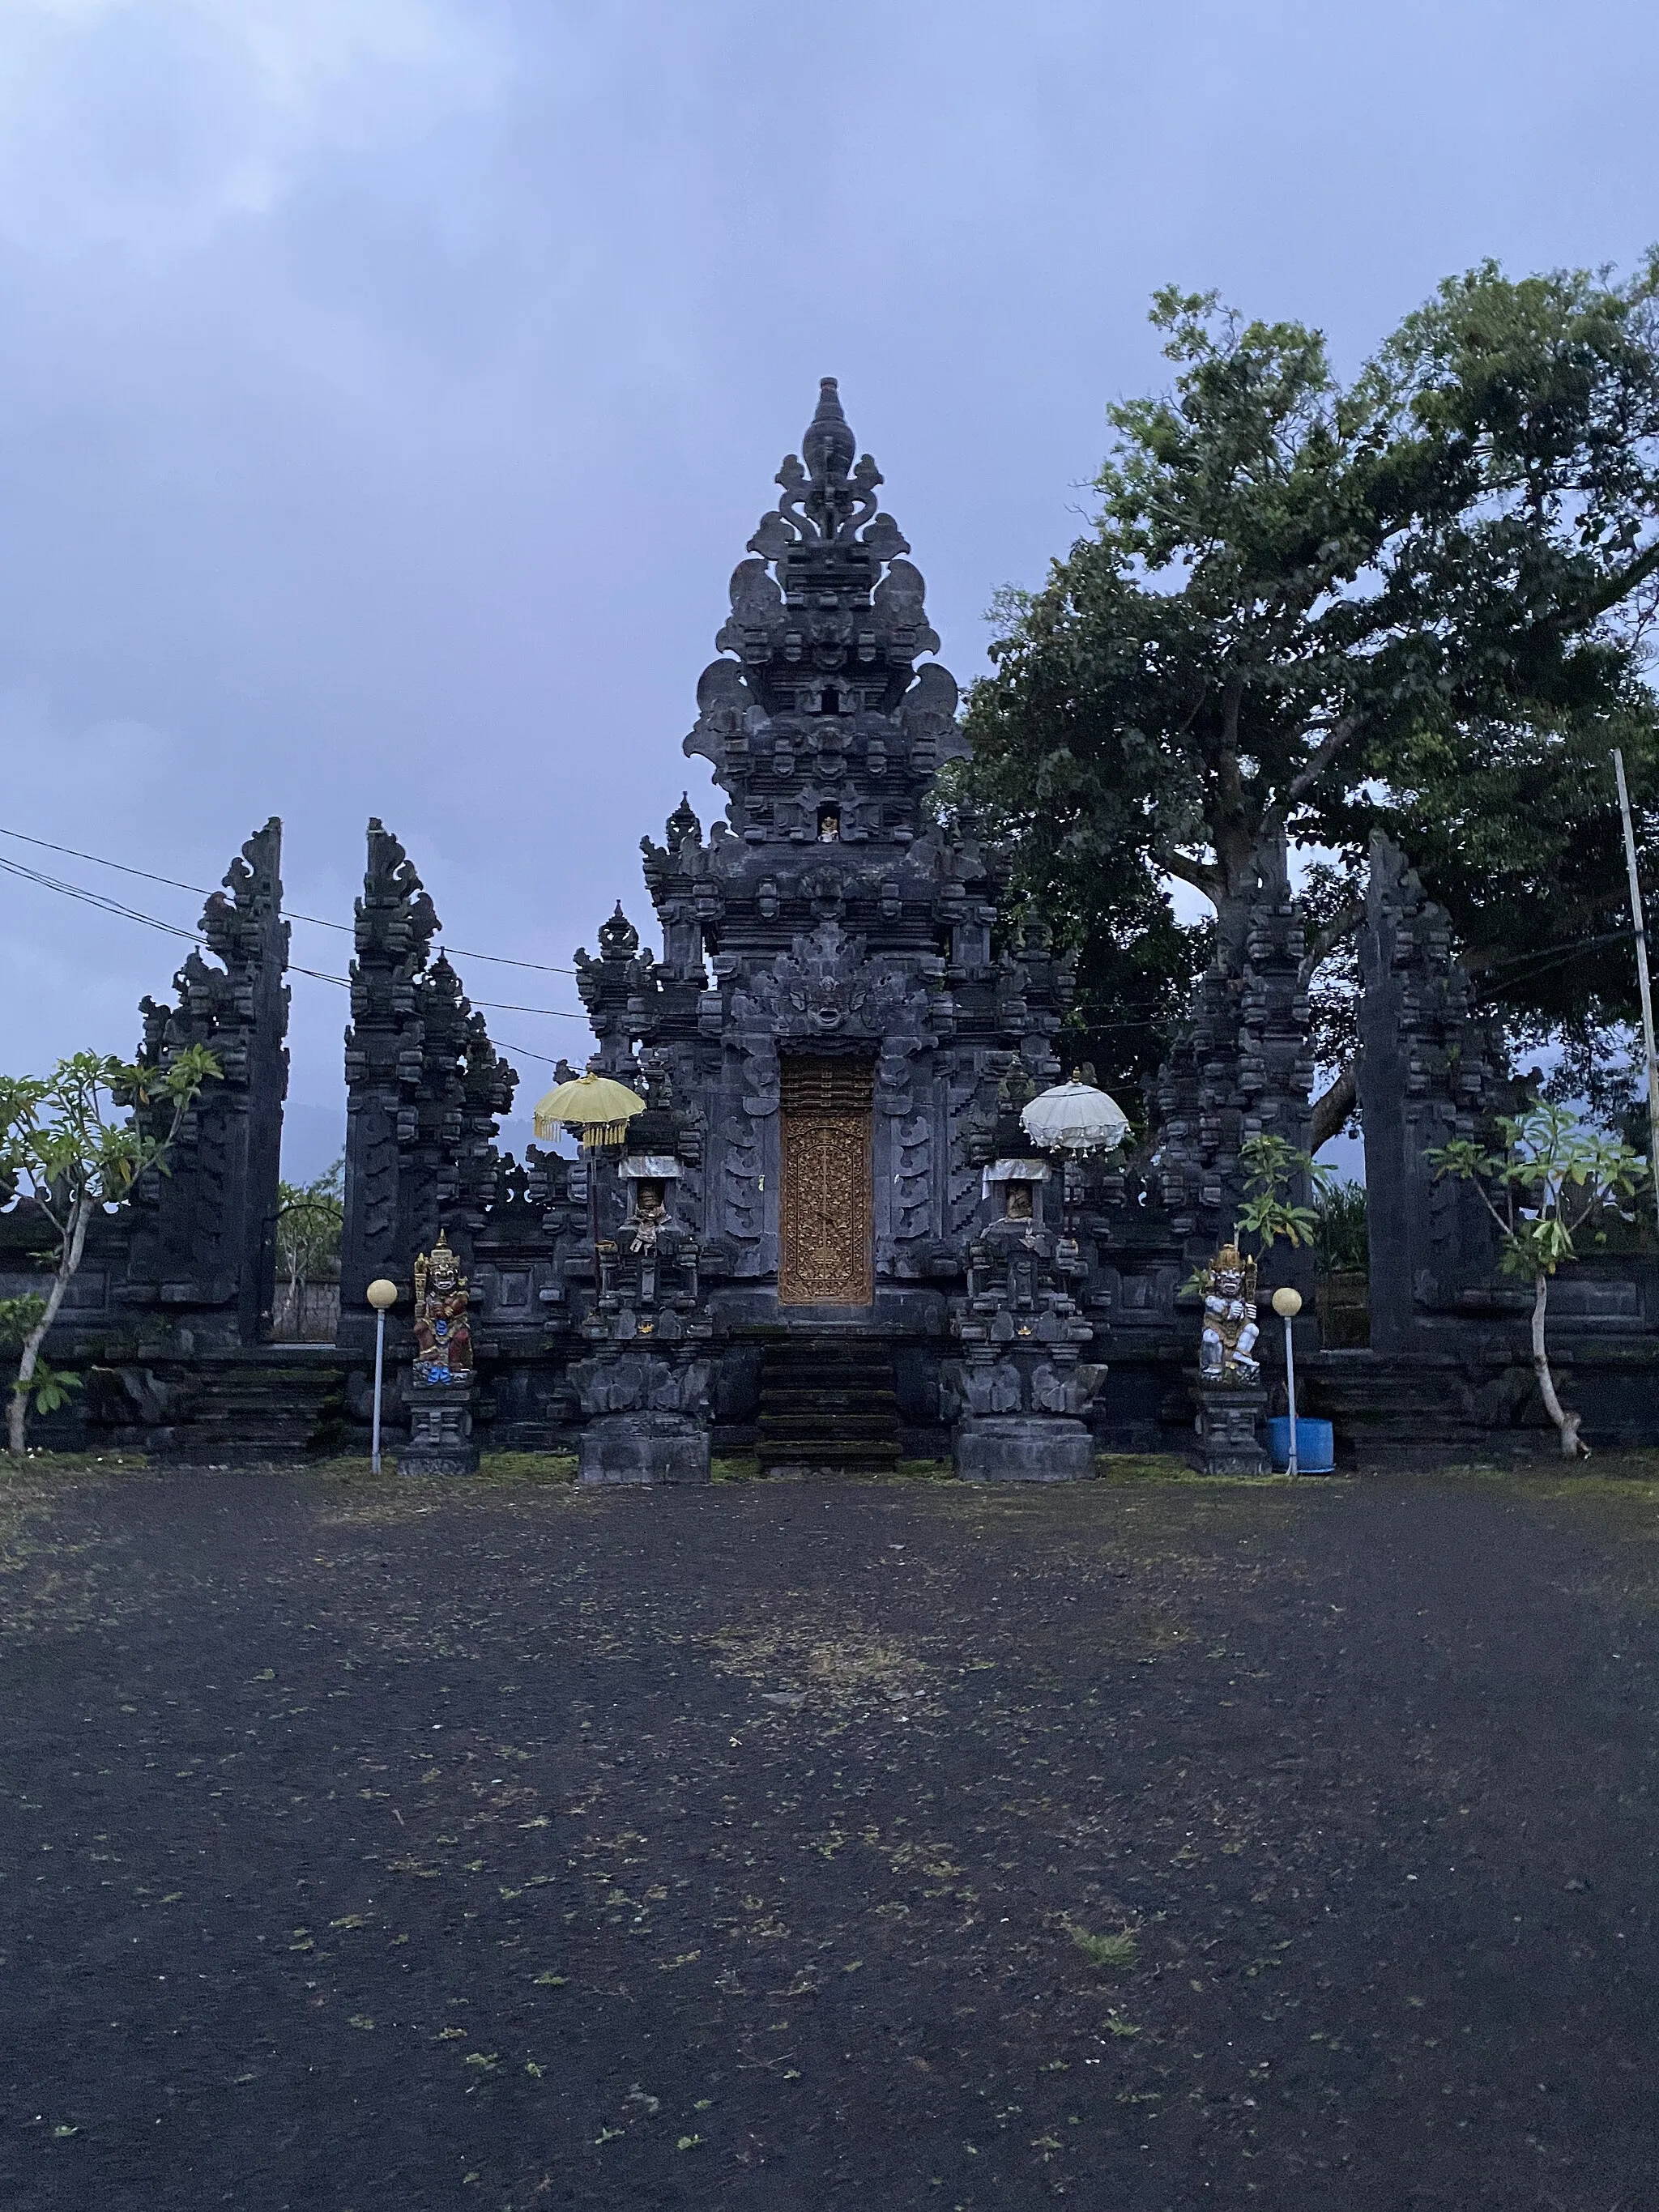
point(600, 1110)
point(599, 1107)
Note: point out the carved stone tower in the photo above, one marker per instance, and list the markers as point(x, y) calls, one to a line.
point(828, 1022)
point(203, 1235)
point(1430, 1069)
point(423, 1087)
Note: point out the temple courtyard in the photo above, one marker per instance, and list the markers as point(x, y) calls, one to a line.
point(1150, 1842)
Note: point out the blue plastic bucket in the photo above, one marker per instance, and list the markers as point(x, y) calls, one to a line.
point(1315, 1445)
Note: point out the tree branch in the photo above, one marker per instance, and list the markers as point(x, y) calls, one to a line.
point(1324, 753)
point(1232, 707)
point(1199, 873)
point(1332, 1110)
point(1326, 942)
point(1615, 588)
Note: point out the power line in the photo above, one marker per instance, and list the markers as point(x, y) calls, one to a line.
point(102, 905)
point(1532, 965)
point(96, 899)
point(316, 921)
point(121, 866)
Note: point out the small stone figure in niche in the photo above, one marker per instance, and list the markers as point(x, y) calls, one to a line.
point(650, 1214)
point(1227, 1340)
point(1021, 1207)
point(828, 825)
point(443, 1341)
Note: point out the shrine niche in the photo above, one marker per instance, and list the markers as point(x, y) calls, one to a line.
point(825, 1255)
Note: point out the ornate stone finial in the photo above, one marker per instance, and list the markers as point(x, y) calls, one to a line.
point(821, 697)
point(682, 822)
point(829, 448)
point(829, 501)
point(619, 938)
point(253, 892)
point(395, 919)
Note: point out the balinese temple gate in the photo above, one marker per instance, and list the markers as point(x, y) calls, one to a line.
point(834, 1055)
point(826, 1239)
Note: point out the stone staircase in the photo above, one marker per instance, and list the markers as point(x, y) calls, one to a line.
point(267, 1409)
point(828, 1407)
point(275, 1402)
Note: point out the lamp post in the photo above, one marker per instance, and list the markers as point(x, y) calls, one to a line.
point(1287, 1304)
point(381, 1295)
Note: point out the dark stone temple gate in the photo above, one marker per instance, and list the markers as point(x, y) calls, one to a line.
point(828, 1040)
point(826, 1240)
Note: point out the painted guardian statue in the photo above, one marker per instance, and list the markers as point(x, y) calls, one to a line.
point(443, 1339)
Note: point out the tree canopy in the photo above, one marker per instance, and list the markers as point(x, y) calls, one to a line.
point(1418, 601)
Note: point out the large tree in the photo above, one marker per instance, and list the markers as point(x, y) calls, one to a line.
point(1419, 600)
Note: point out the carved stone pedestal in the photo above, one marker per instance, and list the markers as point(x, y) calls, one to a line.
point(1230, 1418)
point(1023, 1448)
point(645, 1449)
point(440, 1438)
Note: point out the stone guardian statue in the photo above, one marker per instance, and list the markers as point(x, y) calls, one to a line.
point(1226, 1342)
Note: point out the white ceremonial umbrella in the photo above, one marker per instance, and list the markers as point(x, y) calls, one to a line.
point(1074, 1117)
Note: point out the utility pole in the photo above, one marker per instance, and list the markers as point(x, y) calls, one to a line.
point(1644, 981)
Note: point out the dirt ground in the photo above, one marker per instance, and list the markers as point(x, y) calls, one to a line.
point(1145, 1843)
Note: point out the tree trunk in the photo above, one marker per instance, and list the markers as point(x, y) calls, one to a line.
point(1332, 1108)
point(1572, 1446)
point(68, 1262)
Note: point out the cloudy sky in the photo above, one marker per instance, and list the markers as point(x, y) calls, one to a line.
point(387, 387)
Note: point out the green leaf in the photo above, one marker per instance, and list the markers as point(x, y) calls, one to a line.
point(49, 1388)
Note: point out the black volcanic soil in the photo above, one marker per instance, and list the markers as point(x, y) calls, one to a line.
point(495, 1845)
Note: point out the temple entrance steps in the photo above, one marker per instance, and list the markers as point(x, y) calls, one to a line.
point(263, 1411)
point(264, 1403)
point(828, 1407)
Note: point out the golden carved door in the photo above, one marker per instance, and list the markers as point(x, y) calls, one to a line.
point(824, 1250)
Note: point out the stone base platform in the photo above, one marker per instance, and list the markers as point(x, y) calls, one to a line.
point(1023, 1448)
point(1229, 1426)
point(441, 1438)
point(645, 1449)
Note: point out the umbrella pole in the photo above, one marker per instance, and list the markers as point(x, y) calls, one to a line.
point(593, 1218)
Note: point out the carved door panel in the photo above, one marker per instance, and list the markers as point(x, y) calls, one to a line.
point(824, 1208)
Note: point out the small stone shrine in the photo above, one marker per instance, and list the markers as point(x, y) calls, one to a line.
point(1019, 1391)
